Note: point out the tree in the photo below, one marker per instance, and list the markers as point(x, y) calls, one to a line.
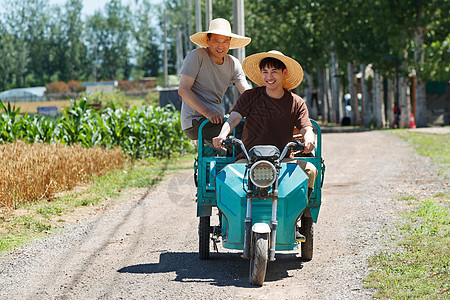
point(109, 39)
point(8, 54)
point(147, 50)
point(416, 31)
point(16, 24)
point(95, 36)
point(73, 51)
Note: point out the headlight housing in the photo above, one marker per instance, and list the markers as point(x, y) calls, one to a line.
point(263, 174)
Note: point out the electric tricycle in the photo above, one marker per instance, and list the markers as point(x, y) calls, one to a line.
point(261, 205)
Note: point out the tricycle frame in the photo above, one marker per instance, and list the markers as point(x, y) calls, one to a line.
point(207, 167)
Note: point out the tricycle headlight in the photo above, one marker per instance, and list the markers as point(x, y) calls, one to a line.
point(263, 174)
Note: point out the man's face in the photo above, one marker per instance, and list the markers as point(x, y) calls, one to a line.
point(218, 45)
point(273, 77)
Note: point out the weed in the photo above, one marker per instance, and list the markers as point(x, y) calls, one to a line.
point(417, 266)
point(437, 147)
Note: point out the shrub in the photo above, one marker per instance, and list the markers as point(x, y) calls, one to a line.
point(76, 86)
point(57, 87)
point(126, 85)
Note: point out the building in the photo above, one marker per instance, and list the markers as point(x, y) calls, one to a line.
point(24, 94)
point(105, 86)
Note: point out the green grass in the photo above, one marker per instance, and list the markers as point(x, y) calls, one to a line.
point(37, 220)
point(417, 262)
point(435, 146)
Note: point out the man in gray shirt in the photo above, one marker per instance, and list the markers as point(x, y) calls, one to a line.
point(205, 76)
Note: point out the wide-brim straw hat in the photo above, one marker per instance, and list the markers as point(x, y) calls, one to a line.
point(222, 27)
point(294, 75)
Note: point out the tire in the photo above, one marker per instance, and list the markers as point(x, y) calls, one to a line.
point(259, 258)
point(308, 231)
point(203, 237)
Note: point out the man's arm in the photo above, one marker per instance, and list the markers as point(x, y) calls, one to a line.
point(243, 86)
point(227, 127)
point(185, 91)
point(308, 136)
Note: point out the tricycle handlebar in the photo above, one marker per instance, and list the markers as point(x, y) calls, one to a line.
point(232, 141)
point(296, 145)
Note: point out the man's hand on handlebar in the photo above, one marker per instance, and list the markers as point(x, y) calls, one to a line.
point(309, 147)
point(309, 138)
point(217, 142)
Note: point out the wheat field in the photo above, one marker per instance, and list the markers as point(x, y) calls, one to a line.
point(32, 172)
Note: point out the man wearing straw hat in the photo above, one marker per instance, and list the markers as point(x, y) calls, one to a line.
point(205, 76)
point(271, 111)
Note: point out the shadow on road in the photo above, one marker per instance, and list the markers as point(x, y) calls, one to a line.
point(222, 269)
point(342, 129)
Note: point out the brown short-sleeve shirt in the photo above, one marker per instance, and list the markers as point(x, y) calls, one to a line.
point(270, 121)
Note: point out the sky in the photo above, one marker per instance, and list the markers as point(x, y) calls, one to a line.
point(90, 6)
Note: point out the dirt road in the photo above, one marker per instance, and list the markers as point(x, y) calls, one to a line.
point(146, 247)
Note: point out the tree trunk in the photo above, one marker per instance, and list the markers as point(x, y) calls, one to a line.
point(331, 103)
point(378, 101)
point(390, 104)
point(321, 95)
point(421, 107)
point(353, 93)
point(310, 103)
point(404, 103)
point(341, 105)
point(337, 107)
point(366, 106)
point(327, 95)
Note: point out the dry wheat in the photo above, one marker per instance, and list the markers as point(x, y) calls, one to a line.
point(31, 172)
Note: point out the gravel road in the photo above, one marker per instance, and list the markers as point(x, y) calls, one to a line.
point(146, 247)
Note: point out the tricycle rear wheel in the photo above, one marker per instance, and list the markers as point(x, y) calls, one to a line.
point(203, 237)
point(308, 231)
point(259, 257)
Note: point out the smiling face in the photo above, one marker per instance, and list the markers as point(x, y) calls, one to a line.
point(218, 46)
point(272, 74)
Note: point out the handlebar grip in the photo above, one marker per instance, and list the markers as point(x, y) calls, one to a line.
point(299, 146)
point(229, 141)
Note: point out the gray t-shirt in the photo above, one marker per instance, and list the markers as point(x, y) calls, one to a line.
point(211, 82)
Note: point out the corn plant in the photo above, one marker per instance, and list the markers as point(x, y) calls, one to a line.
point(9, 126)
point(70, 126)
point(149, 131)
point(35, 128)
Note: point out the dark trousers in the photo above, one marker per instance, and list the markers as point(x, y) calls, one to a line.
point(209, 132)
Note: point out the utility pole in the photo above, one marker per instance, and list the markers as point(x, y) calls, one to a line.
point(165, 51)
point(189, 18)
point(179, 49)
point(208, 14)
point(239, 26)
point(198, 15)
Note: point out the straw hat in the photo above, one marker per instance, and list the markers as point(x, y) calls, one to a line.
point(222, 27)
point(294, 75)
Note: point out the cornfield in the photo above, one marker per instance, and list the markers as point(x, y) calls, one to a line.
point(147, 132)
point(40, 156)
point(31, 172)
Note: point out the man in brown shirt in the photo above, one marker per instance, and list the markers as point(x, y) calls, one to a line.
point(271, 111)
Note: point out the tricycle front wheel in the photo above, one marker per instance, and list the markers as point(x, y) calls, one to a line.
point(259, 257)
point(203, 237)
